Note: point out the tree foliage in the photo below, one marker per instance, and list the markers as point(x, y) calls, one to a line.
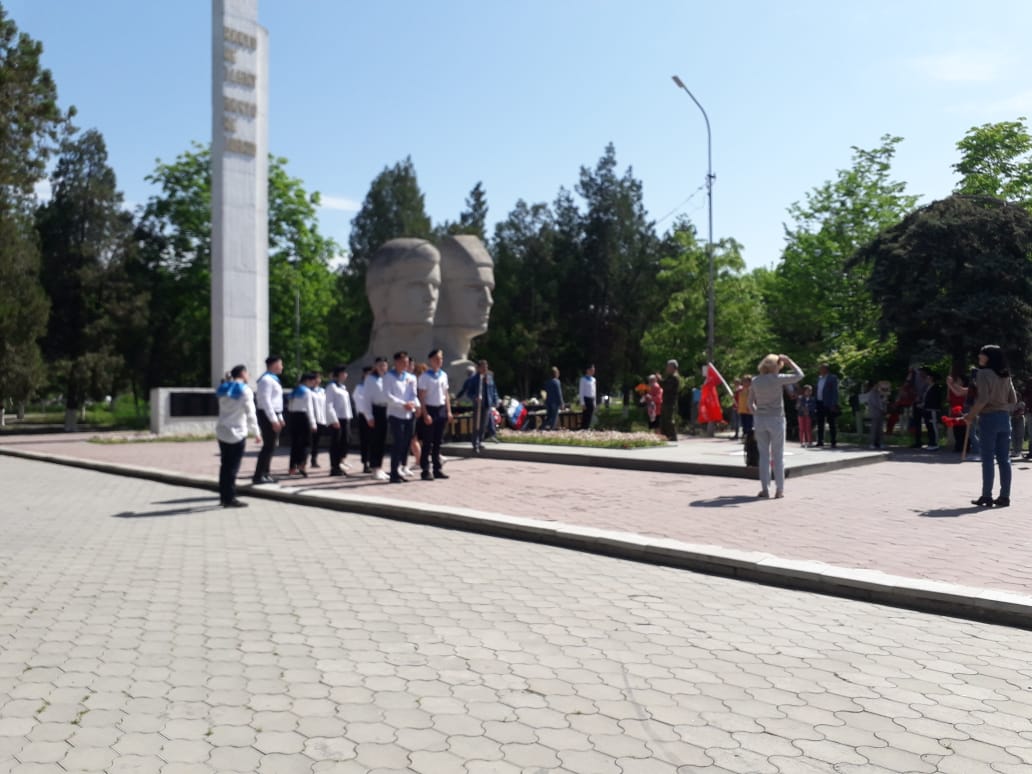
point(955, 275)
point(394, 207)
point(85, 236)
point(174, 269)
point(31, 125)
point(996, 160)
point(818, 301)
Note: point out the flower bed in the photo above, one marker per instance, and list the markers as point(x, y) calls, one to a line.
point(598, 439)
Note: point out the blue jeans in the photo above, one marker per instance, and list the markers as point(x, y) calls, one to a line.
point(995, 429)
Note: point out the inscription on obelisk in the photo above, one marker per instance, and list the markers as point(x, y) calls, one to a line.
point(239, 188)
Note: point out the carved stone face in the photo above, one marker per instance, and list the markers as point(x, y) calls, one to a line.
point(404, 283)
point(414, 301)
point(468, 274)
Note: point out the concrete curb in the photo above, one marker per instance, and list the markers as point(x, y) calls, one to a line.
point(928, 596)
point(545, 454)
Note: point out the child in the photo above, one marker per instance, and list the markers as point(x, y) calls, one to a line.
point(806, 408)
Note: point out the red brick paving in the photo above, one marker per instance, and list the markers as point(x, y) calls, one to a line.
point(908, 517)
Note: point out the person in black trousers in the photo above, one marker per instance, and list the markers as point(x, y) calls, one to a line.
point(270, 417)
point(376, 399)
point(236, 417)
point(435, 400)
point(827, 404)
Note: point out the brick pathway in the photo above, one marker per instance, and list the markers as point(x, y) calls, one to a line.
point(143, 630)
point(908, 517)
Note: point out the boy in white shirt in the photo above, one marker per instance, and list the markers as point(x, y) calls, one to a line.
point(376, 420)
point(588, 393)
point(338, 416)
point(399, 387)
point(236, 417)
point(321, 424)
point(432, 390)
point(302, 423)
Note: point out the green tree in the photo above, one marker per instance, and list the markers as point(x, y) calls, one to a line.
point(523, 318)
point(174, 270)
point(996, 160)
point(819, 303)
point(473, 219)
point(609, 280)
point(84, 235)
point(30, 129)
point(953, 276)
point(679, 328)
point(394, 207)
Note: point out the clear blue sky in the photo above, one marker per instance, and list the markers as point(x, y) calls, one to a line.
point(520, 95)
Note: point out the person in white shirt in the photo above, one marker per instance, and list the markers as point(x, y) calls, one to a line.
point(338, 416)
point(399, 387)
point(433, 394)
point(270, 417)
point(322, 429)
point(587, 395)
point(237, 418)
point(364, 413)
point(302, 423)
point(376, 401)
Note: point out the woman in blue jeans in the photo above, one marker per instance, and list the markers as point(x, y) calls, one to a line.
point(993, 407)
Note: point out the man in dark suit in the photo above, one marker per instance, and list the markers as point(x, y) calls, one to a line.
point(827, 404)
point(480, 388)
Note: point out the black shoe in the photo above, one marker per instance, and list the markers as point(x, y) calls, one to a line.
point(337, 472)
point(268, 480)
point(396, 480)
point(366, 469)
point(426, 476)
point(314, 464)
point(820, 444)
point(302, 472)
point(984, 502)
point(1002, 502)
point(440, 474)
point(234, 504)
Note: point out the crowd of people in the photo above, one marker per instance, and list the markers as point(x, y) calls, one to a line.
point(413, 401)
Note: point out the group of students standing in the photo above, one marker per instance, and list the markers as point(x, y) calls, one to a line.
point(416, 410)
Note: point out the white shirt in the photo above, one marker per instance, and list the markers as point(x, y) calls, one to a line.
point(400, 389)
point(374, 391)
point(302, 401)
point(820, 388)
point(236, 415)
point(319, 404)
point(435, 387)
point(270, 396)
point(361, 404)
point(338, 403)
point(587, 387)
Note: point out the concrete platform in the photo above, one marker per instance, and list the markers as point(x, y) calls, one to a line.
point(694, 456)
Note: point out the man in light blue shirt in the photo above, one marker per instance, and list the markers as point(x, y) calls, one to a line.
point(399, 387)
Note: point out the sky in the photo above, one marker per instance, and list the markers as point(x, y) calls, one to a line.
point(521, 96)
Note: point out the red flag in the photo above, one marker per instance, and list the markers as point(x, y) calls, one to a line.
point(709, 403)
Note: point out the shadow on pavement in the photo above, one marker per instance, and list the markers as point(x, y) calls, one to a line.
point(724, 501)
point(949, 513)
point(182, 500)
point(171, 512)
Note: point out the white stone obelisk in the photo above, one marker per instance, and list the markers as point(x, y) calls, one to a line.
point(239, 188)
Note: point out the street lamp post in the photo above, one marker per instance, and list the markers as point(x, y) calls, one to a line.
point(710, 177)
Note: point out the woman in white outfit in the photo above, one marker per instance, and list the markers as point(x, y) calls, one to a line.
point(766, 399)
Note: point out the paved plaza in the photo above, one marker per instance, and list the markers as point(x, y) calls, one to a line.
point(143, 629)
point(910, 517)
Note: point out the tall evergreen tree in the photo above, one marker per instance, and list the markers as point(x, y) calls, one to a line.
point(84, 236)
point(30, 128)
point(394, 207)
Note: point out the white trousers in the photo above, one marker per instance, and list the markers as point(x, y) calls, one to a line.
point(770, 438)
